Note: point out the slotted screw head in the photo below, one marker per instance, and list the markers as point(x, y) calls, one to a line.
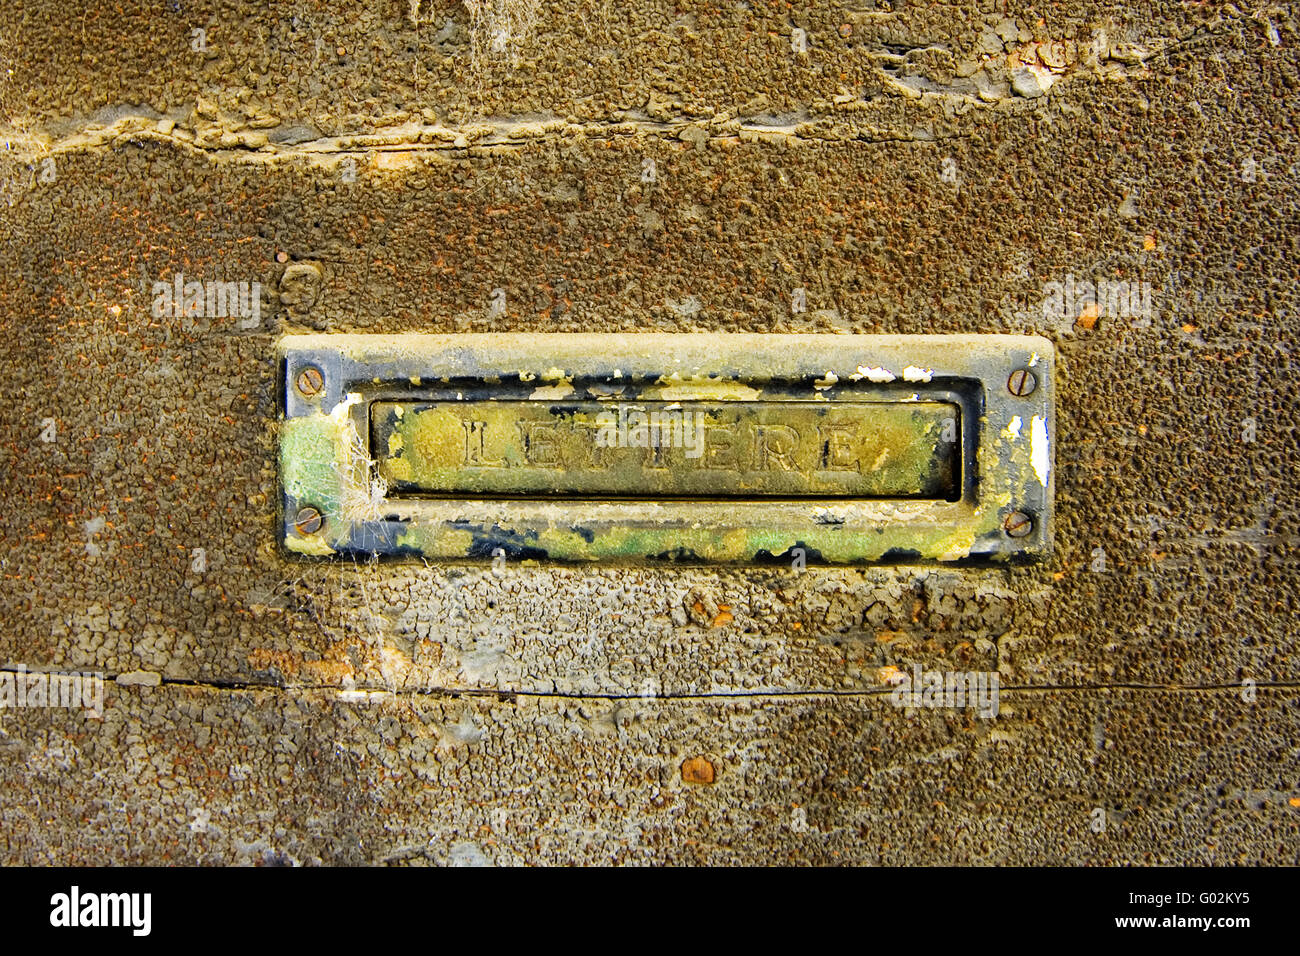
point(310, 381)
point(1018, 524)
point(308, 520)
point(1022, 382)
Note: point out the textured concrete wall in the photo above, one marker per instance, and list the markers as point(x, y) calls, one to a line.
point(647, 166)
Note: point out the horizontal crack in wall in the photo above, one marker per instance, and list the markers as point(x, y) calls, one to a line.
point(373, 691)
point(455, 142)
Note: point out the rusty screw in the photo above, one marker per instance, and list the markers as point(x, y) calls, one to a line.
point(1022, 382)
point(1018, 524)
point(310, 381)
point(308, 520)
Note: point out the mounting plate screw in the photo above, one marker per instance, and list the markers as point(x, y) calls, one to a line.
point(310, 381)
point(1022, 382)
point(1018, 524)
point(308, 520)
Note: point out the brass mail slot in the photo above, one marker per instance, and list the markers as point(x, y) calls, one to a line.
point(688, 448)
point(863, 449)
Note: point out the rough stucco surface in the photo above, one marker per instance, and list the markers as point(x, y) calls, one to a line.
point(920, 168)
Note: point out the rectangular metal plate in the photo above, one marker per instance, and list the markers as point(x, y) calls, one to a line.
point(693, 448)
point(491, 448)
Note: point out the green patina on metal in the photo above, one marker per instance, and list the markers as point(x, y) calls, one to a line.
point(636, 544)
